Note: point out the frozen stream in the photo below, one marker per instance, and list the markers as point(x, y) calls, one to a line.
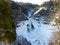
point(39, 35)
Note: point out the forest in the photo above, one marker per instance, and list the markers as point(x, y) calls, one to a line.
point(18, 20)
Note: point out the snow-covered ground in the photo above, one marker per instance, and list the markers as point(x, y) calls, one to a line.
point(40, 35)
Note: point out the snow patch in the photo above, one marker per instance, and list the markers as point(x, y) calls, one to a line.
point(39, 36)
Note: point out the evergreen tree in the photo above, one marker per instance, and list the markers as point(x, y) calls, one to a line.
point(7, 28)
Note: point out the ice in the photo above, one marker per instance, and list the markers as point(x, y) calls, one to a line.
point(40, 35)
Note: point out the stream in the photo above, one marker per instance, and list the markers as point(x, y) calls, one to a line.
point(36, 33)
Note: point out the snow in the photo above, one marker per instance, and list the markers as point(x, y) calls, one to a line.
point(38, 10)
point(3, 43)
point(39, 36)
point(41, 33)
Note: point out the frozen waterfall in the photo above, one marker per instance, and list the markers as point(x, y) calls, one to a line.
point(38, 34)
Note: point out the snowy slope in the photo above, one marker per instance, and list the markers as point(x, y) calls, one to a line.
point(37, 36)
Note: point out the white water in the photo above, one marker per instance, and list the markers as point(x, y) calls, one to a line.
point(40, 35)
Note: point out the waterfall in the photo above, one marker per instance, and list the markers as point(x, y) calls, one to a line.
point(39, 33)
point(30, 12)
point(29, 26)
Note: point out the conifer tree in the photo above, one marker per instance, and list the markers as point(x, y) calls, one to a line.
point(7, 28)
